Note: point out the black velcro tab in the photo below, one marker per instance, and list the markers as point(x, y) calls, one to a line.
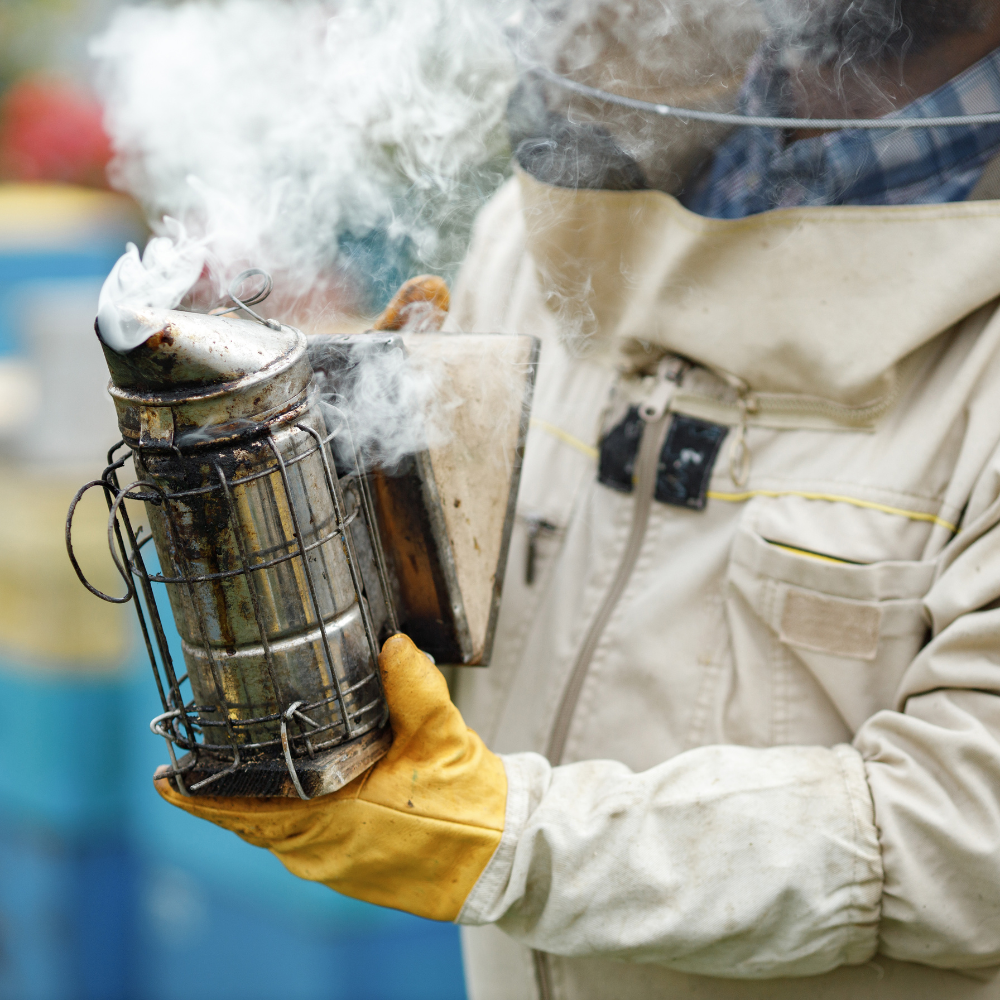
point(687, 460)
point(619, 449)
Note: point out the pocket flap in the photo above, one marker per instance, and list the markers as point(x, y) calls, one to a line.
point(882, 581)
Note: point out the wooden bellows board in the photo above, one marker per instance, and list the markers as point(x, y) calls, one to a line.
point(445, 508)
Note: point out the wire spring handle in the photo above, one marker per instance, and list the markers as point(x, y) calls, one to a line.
point(236, 285)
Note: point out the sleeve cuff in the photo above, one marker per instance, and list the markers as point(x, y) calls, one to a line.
point(865, 912)
point(723, 861)
point(528, 776)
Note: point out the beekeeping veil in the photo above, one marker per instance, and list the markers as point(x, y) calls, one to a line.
point(688, 52)
point(596, 74)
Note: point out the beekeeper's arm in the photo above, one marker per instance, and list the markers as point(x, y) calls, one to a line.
point(740, 862)
point(725, 860)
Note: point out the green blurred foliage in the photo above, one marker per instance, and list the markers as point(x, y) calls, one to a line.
point(49, 37)
point(31, 33)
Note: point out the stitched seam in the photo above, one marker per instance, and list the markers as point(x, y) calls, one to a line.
point(856, 907)
point(787, 219)
point(855, 912)
point(423, 817)
point(913, 515)
point(710, 662)
point(866, 491)
point(492, 882)
point(768, 601)
point(564, 436)
point(782, 697)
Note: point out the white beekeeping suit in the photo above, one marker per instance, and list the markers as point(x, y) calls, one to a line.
point(747, 688)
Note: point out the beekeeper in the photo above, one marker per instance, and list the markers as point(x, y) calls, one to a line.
point(743, 716)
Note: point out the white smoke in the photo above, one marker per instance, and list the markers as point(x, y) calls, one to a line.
point(323, 139)
point(293, 135)
point(680, 44)
point(394, 405)
point(283, 135)
point(160, 278)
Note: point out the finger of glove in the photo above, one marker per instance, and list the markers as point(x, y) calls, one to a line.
point(260, 821)
point(418, 702)
point(416, 692)
point(437, 766)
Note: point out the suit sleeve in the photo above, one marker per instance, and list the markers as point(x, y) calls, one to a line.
point(790, 861)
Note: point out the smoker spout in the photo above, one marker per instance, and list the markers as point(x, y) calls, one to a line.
point(186, 350)
point(197, 377)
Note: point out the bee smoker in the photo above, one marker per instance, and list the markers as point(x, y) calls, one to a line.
point(268, 551)
point(288, 554)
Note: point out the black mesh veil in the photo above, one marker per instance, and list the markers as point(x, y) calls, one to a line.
point(627, 97)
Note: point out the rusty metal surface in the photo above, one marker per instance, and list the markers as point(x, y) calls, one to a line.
point(188, 350)
point(280, 618)
point(326, 772)
point(286, 555)
point(231, 374)
point(260, 625)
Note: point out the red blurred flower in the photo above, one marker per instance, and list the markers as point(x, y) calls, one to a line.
point(52, 131)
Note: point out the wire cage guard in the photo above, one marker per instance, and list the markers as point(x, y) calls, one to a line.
point(269, 530)
point(271, 558)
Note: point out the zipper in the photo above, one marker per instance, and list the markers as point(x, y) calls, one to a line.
point(542, 975)
point(656, 413)
point(739, 450)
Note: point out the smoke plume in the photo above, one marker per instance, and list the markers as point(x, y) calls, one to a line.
point(311, 138)
point(323, 139)
point(159, 278)
point(867, 31)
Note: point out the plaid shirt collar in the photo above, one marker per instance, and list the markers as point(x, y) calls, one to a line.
point(754, 170)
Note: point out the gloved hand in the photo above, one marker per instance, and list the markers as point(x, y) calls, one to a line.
point(413, 832)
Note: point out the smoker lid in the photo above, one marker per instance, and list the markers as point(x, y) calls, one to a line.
point(188, 350)
point(208, 376)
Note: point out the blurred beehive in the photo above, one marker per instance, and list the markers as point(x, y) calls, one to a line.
point(56, 245)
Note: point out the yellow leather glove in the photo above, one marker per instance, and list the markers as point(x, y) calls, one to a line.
point(415, 831)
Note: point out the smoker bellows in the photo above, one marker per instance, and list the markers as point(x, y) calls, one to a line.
point(287, 555)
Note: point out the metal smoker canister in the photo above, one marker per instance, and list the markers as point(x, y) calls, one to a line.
point(272, 566)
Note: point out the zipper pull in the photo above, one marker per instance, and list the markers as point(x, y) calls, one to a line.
point(739, 451)
point(669, 373)
point(536, 525)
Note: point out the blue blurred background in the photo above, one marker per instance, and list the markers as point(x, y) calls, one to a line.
point(105, 891)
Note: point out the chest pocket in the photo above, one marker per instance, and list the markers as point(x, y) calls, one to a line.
point(845, 632)
point(556, 466)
